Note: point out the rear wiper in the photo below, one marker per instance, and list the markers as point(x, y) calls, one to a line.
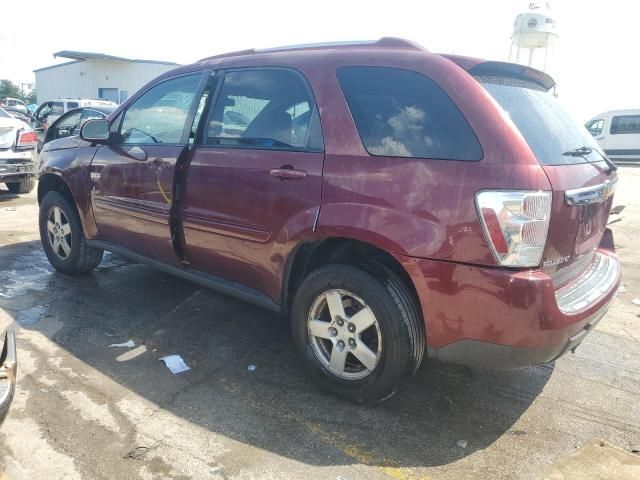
point(582, 151)
point(578, 152)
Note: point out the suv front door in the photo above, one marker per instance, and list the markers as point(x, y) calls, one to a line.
point(133, 175)
point(254, 180)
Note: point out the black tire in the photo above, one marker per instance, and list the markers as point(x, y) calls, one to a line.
point(398, 315)
point(24, 186)
point(82, 258)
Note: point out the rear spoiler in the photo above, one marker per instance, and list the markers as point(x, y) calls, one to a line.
point(513, 70)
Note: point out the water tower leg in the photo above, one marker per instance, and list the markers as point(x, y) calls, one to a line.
point(546, 53)
point(518, 54)
point(511, 51)
point(530, 56)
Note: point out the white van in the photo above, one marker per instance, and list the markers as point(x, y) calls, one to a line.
point(618, 133)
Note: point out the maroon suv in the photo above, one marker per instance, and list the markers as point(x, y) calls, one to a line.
point(388, 199)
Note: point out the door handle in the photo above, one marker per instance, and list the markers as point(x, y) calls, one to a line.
point(287, 172)
point(600, 138)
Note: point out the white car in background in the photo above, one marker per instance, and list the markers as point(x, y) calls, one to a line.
point(17, 154)
point(618, 133)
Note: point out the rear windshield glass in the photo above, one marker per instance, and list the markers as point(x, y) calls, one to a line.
point(546, 126)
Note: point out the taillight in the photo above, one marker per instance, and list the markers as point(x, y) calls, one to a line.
point(27, 139)
point(515, 224)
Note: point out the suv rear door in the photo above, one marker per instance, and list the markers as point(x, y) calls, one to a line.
point(254, 180)
point(133, 175)
point(582, 179)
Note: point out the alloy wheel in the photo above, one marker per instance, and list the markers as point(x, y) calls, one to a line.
point(59, 232)
point(344, 334)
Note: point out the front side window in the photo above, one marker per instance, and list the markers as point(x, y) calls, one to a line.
point(160, 114)
point(44, 111)
point(402, 113)
point(595, 127)
point(625, 124)
point(261, 109)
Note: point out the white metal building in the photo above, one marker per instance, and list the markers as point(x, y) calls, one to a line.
point(96, 75)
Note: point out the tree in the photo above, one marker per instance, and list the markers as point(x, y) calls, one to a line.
point(9, 89)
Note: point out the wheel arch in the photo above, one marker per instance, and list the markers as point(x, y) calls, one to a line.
point(53, 182)
point(310, 255)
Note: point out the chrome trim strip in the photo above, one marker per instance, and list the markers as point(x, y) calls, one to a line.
point(593, 194)
point(590, 286)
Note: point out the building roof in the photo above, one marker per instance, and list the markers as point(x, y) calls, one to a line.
point(77, 56)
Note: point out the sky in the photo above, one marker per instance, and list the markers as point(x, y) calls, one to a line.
point(594, 62)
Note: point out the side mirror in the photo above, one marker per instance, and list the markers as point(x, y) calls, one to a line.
point(95, 130)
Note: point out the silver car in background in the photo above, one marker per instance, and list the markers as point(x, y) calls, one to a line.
point(17, 154)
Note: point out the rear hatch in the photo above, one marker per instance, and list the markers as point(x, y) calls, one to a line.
point(582, 178)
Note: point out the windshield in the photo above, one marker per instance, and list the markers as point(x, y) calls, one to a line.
point(4, 114)
point(546, 126)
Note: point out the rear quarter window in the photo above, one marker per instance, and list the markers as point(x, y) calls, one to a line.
point(402, 113)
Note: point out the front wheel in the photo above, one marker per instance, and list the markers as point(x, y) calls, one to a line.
point(359, 331)
point(62, 237)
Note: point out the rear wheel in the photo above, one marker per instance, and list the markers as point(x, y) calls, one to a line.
point(23, 186)
point(62, 237)
point(358, 330)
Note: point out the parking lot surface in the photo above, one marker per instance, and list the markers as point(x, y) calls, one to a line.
point(83, 410)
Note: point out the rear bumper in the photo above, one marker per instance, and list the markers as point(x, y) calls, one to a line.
point(507, 319)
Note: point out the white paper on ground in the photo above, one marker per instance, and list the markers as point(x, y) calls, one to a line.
point(128, 344)
point(175, 363)
point(636, 301)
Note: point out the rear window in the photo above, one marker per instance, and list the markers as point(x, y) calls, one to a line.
point(625, 124)
point(402, 113)
point(547, 127)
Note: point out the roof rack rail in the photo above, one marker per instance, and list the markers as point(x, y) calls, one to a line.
point(384, 42)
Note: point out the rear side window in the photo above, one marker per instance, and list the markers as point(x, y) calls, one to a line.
point(402, 113)
point(71, 105)
point(625, 124)
point(548, 128)
point(264, 109)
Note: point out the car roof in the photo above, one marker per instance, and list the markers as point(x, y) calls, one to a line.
point(366, 51)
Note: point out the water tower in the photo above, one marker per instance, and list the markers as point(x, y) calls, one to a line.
point(534, 29)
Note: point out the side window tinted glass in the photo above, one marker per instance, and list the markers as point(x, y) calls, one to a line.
point(261, 109)
point(160, 114)
point(401, 113)
point(71, 105)
point(625, 124)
